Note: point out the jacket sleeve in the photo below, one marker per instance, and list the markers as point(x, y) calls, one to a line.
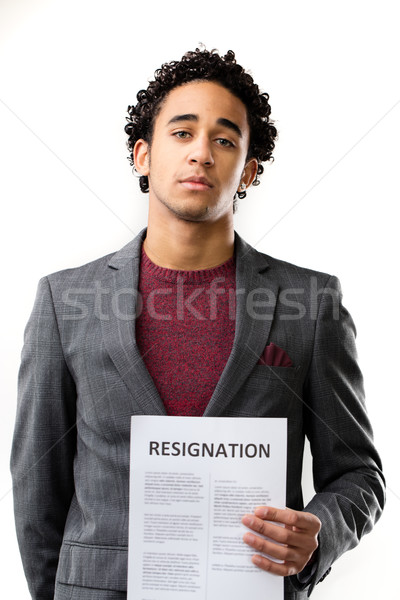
point(348, 480)
point(43, 447)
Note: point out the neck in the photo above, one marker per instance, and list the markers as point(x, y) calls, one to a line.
point(188, 245)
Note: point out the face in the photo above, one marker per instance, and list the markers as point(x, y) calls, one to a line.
point(197, 158)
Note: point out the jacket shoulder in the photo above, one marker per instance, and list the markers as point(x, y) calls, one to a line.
point(286, 273)
point(296, 271)
point(292, 275)
point(96, 270)
point(91, 271)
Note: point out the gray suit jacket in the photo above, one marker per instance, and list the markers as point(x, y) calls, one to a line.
point(82, 377)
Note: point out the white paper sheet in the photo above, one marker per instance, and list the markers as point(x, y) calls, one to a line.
point(191, 481)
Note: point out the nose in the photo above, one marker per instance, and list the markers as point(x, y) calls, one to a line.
point(200, 152)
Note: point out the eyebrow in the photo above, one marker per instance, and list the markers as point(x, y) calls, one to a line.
point(221, 121)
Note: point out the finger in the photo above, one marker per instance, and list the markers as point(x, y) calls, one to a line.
point(295, 519)
point(270, 566)
point(280, 552)
point(275, 532)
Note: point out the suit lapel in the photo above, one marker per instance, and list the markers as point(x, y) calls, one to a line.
point(118, 326)
point(252, 326)
point(253, 323)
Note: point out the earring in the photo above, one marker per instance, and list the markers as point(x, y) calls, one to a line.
point(242, 186)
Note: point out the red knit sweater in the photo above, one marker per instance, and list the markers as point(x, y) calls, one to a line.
point(185, 331)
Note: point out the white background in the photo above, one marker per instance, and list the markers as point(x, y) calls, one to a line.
point(69, 69)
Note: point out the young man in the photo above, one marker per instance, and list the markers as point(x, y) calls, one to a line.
point(188, 319)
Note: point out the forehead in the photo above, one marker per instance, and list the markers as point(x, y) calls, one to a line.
point(206, 99)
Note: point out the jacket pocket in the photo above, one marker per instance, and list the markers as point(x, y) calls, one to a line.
point(92, 566)
point(269, 392)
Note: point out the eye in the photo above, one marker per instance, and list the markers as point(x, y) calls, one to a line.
point(224, 142)
point(182, 135)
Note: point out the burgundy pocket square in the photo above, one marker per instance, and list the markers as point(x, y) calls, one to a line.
point(274, 356)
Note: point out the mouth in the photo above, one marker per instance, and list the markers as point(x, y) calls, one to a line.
point(196, 183)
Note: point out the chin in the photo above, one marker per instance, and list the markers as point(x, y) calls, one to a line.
point(193, 215)
point(196, 209)
point(189, 211)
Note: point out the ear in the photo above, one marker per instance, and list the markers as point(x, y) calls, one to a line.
point(141, 157)
point(249, 173)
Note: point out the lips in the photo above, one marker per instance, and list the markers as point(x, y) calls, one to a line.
point(196, 183)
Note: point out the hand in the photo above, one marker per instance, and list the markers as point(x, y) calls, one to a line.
point(299, 538)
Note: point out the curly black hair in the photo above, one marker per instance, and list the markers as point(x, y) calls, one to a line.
point(210, 66)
